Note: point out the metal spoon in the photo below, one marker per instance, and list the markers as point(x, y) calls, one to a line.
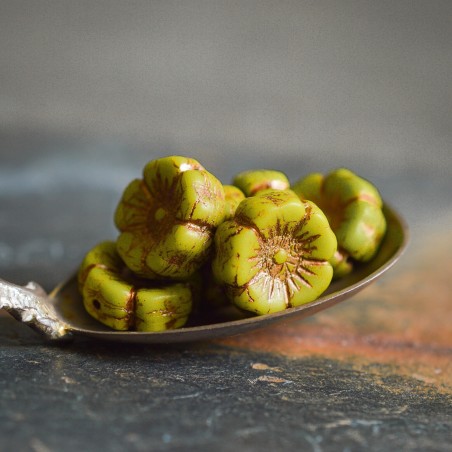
point(61, 315)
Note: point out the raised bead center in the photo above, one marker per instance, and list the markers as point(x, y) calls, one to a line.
point(280, 256)
point(160, 214)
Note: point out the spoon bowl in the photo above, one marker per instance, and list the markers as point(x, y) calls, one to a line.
point(61, 315)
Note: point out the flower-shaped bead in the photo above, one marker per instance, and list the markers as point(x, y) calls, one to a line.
point(115, 297)
point(253, 181)
point(274, 253)
point(167, 219)
point(353, 207)
point(233, 196)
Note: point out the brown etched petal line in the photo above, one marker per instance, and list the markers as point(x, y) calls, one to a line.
point(246, 223)
point(299, 276)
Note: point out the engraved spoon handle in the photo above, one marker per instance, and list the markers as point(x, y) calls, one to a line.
point(31, 305)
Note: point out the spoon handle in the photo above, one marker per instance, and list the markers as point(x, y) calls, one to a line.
point(31, 305)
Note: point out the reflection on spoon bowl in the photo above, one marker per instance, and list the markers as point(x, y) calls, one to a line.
point(62, 315)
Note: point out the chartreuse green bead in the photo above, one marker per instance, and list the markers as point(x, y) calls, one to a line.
point(113, 296)
point(104, 253)
point(341, 263)
point(167, 219)
point(353, 207)
point(162, 308)
point(108, 299)
point(253, 181)
point(274, 253)
point(214, 304)
point(238, 268)
point(233, 196)
point(310, 187)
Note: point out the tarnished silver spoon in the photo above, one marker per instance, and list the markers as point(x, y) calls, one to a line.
point(61, 315)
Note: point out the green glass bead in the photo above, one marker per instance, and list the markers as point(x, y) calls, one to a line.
point(253, 181)
point(353, 207)
point(341, 263)
point(233, 196)
point(274, 253)
point(115, 297)
point(167, 219)
point(162, 308)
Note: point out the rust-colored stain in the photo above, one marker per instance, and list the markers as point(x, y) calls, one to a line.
point(402, 324)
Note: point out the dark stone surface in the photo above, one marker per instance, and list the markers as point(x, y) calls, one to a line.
point(88, 396)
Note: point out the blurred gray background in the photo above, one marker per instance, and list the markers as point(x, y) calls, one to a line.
point(92, 90)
